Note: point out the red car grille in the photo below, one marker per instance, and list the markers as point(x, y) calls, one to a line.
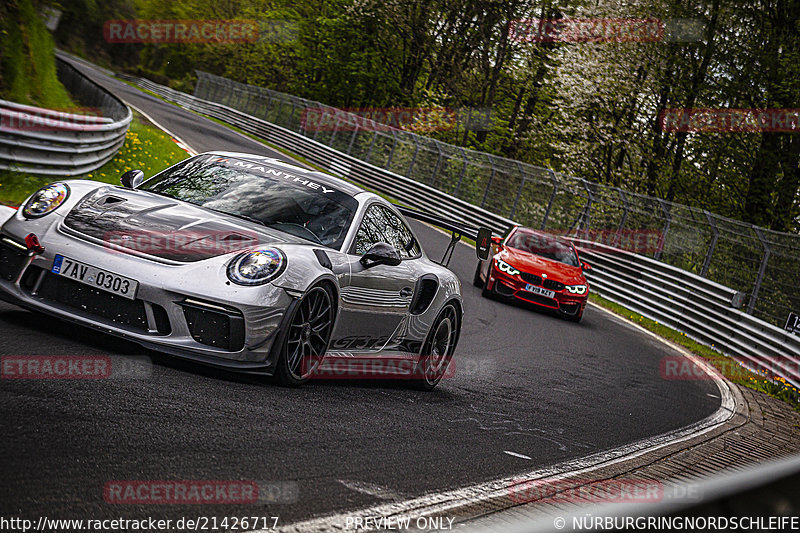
point(531, 278)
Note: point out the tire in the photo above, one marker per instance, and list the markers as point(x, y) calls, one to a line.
point(306, 339)
point(437, 352)
point(485, 292)
point(476, 280)
point(576, 317)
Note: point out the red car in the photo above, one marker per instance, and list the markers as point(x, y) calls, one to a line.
point(537, 268)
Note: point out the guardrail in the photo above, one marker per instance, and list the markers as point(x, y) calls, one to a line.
point(694, 305)
point(685, 301)
point(47, 142)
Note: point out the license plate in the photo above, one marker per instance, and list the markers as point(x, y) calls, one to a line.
point(539, 290)
point(95, 277)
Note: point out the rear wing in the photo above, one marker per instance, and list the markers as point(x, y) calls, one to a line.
point(481, 236)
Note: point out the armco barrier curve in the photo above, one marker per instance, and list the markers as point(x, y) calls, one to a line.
point(47, 142)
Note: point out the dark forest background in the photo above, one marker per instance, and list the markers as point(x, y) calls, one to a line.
point(588, 109)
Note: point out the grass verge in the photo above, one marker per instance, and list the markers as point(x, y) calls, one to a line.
point(728, 367)
point(146, 148)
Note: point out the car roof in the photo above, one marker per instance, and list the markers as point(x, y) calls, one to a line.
point(320, 177)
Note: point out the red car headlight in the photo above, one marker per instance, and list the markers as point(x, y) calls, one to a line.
point(502, 266)
point(576, 289)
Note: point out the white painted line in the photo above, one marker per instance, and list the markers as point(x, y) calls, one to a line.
point(439, 504)
point(371, 489)
point(180, 142)
point(515, 454)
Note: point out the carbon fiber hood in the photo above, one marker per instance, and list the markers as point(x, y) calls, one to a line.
point(144, 223)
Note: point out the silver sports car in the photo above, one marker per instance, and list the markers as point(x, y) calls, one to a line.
point(240, 261)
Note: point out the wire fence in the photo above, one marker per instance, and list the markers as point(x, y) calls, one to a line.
point(761, 264)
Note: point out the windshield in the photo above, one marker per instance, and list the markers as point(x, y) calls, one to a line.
point(543, 246)
point(272, 197)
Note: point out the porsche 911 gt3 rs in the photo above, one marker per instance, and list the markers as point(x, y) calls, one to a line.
point(236, 260)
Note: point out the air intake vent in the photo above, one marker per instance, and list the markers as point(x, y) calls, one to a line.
point(424, 293)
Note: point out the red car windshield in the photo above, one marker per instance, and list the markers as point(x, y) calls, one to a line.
point(544, 246)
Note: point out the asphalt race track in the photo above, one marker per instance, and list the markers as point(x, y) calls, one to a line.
point(525, 382)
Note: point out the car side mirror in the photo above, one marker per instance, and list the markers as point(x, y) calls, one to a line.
point(132, 179)
point(586, 267)
point(497, 240)
point(380, 253)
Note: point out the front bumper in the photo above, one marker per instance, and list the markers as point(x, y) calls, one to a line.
point(505, 285)
point(187, 310)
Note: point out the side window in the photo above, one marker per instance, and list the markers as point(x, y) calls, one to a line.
point(370, 230)
point(399, 236)
point(381, 225)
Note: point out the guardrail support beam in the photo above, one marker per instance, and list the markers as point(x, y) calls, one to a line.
point(711, 245)
point(552, 197)
point(751, 305)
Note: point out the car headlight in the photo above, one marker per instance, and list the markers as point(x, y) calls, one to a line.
point(505, 267)
point(45, 200)
point(256, 267)
point(577, 289)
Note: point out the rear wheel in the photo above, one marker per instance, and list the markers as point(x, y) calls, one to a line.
point(307, 338)
point(438, 349)
point(476, 279)
point(485, 292)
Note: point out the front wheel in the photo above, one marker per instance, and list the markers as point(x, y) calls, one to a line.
point(438, 349)
point(576, 317)
point(307, 338)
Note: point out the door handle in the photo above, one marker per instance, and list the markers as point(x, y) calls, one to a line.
point(405, 292)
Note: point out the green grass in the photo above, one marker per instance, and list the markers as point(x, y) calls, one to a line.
point(146, 148)
point(777, 387)
point(27, 61)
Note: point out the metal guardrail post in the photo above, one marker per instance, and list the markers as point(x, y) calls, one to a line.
point(371, 144)
point(488, 183)
point(319, 123)
point(519, 191)
point(438, 162)
point(662, 240)
point(352, 139)
point(463, 171)
point(586, 218)
point(711, 245)
point(335, 130)
point(391, 152)
point(626, 207)
point(751, 305)
point(552, 198)
point(291, 115)
point(413, 157)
